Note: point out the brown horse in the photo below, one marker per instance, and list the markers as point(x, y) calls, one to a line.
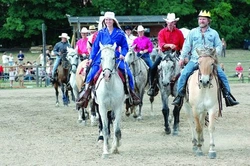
point(203, 98)
point(62, 80)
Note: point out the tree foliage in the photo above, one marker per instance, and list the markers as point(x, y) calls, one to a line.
point(22, 19)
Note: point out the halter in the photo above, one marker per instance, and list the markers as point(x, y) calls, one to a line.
point(211, 74)
point(114, 68)
point(73, 64)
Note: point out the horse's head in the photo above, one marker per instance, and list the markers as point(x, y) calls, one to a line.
point(72, 58)
point(131, 55)
point(169, 68)
point(207, 64)
point(108, 60)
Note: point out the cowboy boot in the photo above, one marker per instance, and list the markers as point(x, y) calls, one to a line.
point(178, 101)
point(229, 99)
point(135, 98)
point(84, 97)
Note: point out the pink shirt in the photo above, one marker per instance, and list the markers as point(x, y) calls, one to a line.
point(82, 46)
point(143, 43)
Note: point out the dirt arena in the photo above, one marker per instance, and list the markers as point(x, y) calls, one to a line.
point(35, 132)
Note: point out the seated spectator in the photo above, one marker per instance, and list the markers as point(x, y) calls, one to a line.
point(1, 71)
point(239, 71)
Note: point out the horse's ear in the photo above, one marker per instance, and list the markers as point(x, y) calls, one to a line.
point(198, 51)
point(133, 47)
point(101, 46)
point(114, 46)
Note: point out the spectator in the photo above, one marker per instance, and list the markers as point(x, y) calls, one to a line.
point(239, 71)
point(20, 57)
point(5, 59)
point(222, 66)
point(48, 56)
point(11, 60)
point(20, 74)
point(1, 71)
point(91, 37)
point(12, 74)
point(224, 46)
point(41, 59)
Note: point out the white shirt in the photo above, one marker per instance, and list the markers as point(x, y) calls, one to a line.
point(5, 58)
point(130, 39)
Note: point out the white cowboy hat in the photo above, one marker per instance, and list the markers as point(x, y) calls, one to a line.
point(140, 28)
point(64, 35)
point(92, 28)
point(111, 15)
point(84, 30)
point(171, 17)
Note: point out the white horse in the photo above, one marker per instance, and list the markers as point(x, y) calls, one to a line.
point(76, 82)
point(139, 70)
point(169, 72)
point(109, 96)
point(202, 98)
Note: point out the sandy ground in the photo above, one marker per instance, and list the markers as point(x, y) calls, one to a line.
point(35, 132)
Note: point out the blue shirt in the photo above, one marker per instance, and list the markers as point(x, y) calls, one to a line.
point(195, 40)
point(117, 36)
point(20, 57)
point(61, 47)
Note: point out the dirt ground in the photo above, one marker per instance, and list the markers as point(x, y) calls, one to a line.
point(35, 132)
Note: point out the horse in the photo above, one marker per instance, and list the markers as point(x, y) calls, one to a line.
point(61, 80)
point(169, 71)
point(202, 99)
point(109, 96)
point(139, 70)
point(77, 83)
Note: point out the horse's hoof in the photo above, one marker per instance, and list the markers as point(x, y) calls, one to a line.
point(100, 139)
point(105, 156)
point(168, 131)
point(199, 153)
point(195, 148)
point(139, 118)
point(79, 120)
point(175, 133)
point(114, 151)
point(212, 154)
point(84, 123)
point(127, 114)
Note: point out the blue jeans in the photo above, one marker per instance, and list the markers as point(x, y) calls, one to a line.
point(147, 59)
point(96, 66)
point(188, 70)
point(56, 63)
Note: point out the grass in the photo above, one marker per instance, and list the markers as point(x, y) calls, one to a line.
point(230, 61)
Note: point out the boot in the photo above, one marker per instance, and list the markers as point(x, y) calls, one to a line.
point(229, 99)
point(84, 97)
point(178, 101)
point(135, 98)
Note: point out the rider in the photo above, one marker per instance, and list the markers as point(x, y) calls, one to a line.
point(81, 45)
point(59, 49)
point(129, 36)
point(169, 38)
point(112, 33)
point(200, 37)
point(143, 46)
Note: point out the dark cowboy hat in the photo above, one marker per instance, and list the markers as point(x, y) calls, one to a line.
point(127, 27)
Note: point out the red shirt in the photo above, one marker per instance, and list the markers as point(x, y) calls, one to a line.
point(1, 69)
point(165, 36)
point(239, 69)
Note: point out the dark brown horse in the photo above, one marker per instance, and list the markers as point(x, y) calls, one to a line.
point(62, 80)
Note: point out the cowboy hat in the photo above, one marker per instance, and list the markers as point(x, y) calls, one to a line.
point(128, 27)
point(92, 28)
point(64, 35)
point(111, 15)
point(204, 14)
point(171, 18)
point(84, 30)
point(140, 28)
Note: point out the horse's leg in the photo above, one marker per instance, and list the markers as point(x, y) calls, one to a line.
point(104, 118)
point(212, 152)
point(190, 118)
point(176, 113)
point(100, 137)
point(141, 104)
point(165, 112)
point(57, 93)
point(199, 131)
point(93, 112)
point(117, 131)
